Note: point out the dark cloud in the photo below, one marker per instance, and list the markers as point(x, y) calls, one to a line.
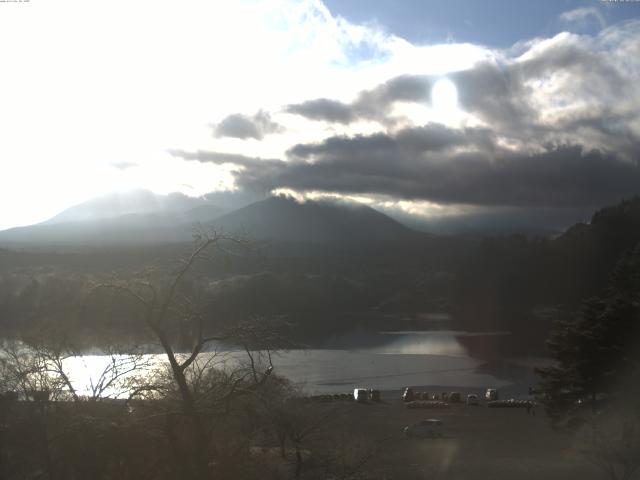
point(442, 165)
point(371, 104)
point(496, 94)
point(406, 142)
point(323, 109)
point(243, 126)
point(375, 104)
point(412, 165)
point(217, 157)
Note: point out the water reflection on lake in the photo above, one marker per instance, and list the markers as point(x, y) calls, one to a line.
point(383, 360)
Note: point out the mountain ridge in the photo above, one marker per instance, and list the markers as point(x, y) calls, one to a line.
point(275, 219)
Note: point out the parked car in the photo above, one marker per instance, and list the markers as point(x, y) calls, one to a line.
point(407, 395)
point(491, 395)
point(454, 397)
point(429, 428)
point(472, 399)
point(360, 394)
point(374, 395)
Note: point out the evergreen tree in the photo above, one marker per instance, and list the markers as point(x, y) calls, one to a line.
point(596, 351)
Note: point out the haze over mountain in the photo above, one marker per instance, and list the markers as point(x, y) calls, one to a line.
point(286, 220)
point(126, 203)
point(135, 217)
point(142, 217)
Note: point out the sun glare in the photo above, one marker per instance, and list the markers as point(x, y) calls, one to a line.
point(444, 100)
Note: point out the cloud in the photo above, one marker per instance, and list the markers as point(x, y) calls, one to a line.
point(250, 172)
point(561, 177)
point(373, 104)
point(242, 126)
point(549, 125)
point(559, 90)
point(123, 165)
point(408, 141)
point(441, 165)
point(557, 125)
point(323, 109)
point(582, 17)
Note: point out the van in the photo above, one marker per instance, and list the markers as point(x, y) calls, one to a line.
point(360, 394)
point(491, 394)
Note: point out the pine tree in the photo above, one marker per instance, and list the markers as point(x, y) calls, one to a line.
point(596, 351)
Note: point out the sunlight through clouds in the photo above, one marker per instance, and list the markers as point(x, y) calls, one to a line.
point(97, 83)
point(88, 85)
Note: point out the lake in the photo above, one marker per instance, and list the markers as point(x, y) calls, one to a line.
point(381, 360)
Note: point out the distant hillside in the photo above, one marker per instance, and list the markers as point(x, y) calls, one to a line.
point(126, 203)
point(591, 251)
point(275, 220)
point(150, 220)
point(518, 284)
point(132, 229)
point(280, 219)
point(615, 228)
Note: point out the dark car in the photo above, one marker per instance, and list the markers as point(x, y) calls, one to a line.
point(408, 395)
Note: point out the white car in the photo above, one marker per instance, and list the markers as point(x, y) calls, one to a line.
point(472, 399)
point(360, 395)
point(429, 428)
point(491, 394)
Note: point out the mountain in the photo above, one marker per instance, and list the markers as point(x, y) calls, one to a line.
point(136, 202)
point(138, 217)
point(282, 219)
point(135, 229)
point(274, 220)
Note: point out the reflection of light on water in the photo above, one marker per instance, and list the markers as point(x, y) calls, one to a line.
point(403, 358)
point(109, 375)
point(457, 333)
point(429, 342)
point(318, 370)
point(91, 375)
point(439, 344)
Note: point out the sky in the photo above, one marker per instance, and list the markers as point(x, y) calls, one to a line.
point(423, 108)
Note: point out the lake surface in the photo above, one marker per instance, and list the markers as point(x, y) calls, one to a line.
point(382, 360)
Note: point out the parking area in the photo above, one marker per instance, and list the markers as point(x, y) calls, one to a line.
point(477, 442)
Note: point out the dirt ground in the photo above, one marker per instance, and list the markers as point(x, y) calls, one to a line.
point(478, 443)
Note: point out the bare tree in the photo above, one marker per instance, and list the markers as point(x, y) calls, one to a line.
point(46, 367)
point(163, 305)
point(26, 369)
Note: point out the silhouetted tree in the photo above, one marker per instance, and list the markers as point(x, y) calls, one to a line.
point(596, 350)
point(164, 305)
